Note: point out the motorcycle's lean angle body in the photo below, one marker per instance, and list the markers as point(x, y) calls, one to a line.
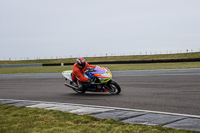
point(103, 81)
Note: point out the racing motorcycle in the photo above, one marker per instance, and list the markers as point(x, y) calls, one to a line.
point(102, 82)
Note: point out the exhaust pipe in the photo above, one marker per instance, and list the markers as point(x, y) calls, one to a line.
point(71, 86)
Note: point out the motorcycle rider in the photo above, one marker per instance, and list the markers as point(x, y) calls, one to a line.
point(78, 71)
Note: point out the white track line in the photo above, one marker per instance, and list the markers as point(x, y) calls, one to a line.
point(116, 108)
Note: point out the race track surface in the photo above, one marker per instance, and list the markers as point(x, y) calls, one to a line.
point(172, 90)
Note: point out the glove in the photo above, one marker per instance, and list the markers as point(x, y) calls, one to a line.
point(86, 72)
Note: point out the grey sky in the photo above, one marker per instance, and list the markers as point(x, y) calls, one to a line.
point(61, 28)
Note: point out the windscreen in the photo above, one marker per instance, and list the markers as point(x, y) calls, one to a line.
point(98, 70)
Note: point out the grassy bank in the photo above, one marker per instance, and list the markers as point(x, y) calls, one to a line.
point(111, 58)
point(112, 67)
point(21, 119)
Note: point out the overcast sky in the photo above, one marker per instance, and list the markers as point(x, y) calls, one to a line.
point(64, 28)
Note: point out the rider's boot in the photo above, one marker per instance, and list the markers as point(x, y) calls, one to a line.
point(74, 83)
point(81, 87)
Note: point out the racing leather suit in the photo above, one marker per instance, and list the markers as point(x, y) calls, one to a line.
point(78, 72)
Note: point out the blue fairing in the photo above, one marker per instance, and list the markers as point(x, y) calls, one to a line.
point(71, 78)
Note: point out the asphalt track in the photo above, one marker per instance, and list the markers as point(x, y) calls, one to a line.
point(171, 90)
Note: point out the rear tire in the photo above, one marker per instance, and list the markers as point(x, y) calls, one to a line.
point(113, 88)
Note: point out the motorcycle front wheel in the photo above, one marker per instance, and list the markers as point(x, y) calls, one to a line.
point(112, 87)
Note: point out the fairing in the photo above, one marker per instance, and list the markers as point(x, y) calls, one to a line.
point(102, 73)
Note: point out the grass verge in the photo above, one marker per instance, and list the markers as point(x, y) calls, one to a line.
point(22, 119)
point(110, 58)
point(112, 67)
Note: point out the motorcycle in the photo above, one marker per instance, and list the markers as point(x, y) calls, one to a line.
point(103, 81)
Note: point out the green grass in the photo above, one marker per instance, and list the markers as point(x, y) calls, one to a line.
point(110, 58)
point(31, 120)
point(112, 67)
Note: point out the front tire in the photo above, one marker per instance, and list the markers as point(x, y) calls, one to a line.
point(113, 88)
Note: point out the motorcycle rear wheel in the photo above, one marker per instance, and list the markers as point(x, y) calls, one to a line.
point(113, 88)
